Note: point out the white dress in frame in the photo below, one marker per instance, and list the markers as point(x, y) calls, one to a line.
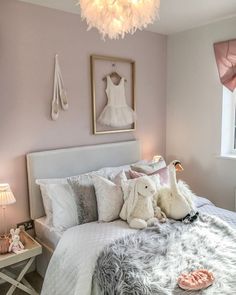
point(116, 112)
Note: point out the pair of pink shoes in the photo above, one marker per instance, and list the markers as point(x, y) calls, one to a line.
point(196, 280)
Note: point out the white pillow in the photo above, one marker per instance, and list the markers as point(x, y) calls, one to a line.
point(119, 178)
point(64, 207)
point(63, 211)
point(149, 167)
point(109, 199)
point(111, 172)
point(47, 203)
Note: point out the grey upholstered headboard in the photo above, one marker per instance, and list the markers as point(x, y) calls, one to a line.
point(62, 163)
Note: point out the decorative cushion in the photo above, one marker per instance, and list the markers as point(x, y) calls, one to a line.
point(148, 168)
point(109, 198)
point(117, 179)
point(63, 206)
point(134, 174)
point(163, 174)
point(111, 172)
point(83, 188)
point(47, 203)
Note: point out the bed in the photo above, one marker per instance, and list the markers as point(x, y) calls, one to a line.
point(67, 162)
point(77, 250)
point(46, 234)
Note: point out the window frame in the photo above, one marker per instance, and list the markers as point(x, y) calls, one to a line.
point(233, 124)
point(228, 123)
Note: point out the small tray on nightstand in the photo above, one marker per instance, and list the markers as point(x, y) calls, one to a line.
point(32, 249)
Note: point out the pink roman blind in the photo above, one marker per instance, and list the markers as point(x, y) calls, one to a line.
point(225, 53)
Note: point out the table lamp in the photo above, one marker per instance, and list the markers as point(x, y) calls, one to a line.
point(6, 198)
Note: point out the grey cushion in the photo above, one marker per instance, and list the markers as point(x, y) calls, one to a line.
point(83, 188)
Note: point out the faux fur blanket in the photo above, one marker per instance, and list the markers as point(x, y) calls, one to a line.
point(150, 261)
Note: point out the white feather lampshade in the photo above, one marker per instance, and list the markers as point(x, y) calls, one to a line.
point(6, 195)
point(115, 18)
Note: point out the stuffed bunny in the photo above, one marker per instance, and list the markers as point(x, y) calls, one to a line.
point(16, 244)
point(138, 204)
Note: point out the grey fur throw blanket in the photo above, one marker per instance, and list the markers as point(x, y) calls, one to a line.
point(150, 261)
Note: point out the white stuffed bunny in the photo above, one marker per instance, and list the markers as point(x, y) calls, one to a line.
point(16, 244)
point(138, 204)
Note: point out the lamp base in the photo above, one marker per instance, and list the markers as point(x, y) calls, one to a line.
point(4, 244)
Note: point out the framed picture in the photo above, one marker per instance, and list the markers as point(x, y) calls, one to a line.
point(113, 94)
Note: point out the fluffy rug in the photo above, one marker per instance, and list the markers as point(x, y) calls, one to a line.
point(150, 261)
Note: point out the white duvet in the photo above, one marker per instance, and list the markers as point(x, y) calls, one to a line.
point(71, 268)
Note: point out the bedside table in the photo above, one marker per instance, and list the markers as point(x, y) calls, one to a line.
point(33, 249)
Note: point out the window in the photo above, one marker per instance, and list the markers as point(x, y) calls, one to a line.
point(234, 126)
point(228, 133)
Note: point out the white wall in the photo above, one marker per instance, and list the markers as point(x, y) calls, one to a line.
point(194, 105)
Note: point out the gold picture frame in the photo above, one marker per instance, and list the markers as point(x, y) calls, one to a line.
point(123, 62)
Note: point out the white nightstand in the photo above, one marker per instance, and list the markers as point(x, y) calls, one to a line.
point(33, 249)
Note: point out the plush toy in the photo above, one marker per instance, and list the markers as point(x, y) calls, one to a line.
point(138, 203)
point(158, 213)
point(16, 246)
point(176, 199)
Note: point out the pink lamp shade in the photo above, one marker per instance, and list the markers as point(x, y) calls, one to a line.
point(6, 195)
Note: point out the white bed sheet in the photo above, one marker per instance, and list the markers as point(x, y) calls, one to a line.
point(46, 234)
point(226, 215)
point(71, 268)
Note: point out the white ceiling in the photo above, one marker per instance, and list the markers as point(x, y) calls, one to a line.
point(175, 15)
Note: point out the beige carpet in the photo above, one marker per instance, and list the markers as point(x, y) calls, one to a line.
point(33, 278)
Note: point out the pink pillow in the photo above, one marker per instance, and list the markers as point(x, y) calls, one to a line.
point(134, 174)
point(163, 173)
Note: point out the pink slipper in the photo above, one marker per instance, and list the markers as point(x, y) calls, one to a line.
point(196, 280)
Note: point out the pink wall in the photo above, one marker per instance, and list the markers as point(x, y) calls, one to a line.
point(30, 36)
